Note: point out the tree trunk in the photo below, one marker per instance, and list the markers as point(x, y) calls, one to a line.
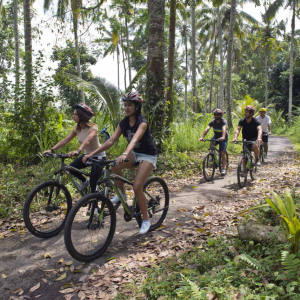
point(155, 85)
point(292, 62)
point(212, 74)
point(221, 95)
point(17, 51)
point(78, 66)
point(186, 79)
point(205, 103)
point(128, 50)
point(194, 86)
point(28, 53)
point(266, 74)
point(118, 62)
point(124, 65)
point(171, 58)
point(228, 99)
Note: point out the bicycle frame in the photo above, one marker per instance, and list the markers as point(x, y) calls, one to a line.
point(214, 150)
point(247, 153)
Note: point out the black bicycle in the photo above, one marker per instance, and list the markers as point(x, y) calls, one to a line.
point(213, 160)
point(87, 236)
point(261, 149)
point(246, 164)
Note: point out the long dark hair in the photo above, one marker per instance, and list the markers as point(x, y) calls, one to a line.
point(84, 118)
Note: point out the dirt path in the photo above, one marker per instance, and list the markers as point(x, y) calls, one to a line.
point(199, 210)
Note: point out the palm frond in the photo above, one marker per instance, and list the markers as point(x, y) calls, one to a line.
point(273, 9)
point(141, 72)
point(251, 261)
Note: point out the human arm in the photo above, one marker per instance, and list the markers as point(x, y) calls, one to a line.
point(269, 129)
point(204, 133)
point(224, 129)
point(61, 143)
point(259, 135)
point(105, 145)
point(237, 132)
point(135, 139)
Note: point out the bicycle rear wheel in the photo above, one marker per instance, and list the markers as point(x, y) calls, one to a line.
point(46, 208)
point(242, 172)
point(209, 167)
point(253, 171)
point(221, 164)
point(87, 236)
point(157, 195)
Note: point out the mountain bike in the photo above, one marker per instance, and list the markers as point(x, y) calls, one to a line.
point(88, 237)
point(48, 204)
point(262, 150)
point(245, 164)
point(213, 160)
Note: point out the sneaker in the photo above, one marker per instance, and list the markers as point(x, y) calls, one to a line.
point(223, 172)
point(83, 185)
point(257, 162)
point(116, 199)
point(96, 213)
point(265, 156)
point(145, 227)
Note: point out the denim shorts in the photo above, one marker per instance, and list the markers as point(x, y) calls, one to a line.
point(223, 144)
point(139, 157)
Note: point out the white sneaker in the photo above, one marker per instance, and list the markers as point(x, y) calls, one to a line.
point(116, 199)
point(145, 227)
point(96, 213)
point(223, 172)
point(266, 156)
point(84, 185)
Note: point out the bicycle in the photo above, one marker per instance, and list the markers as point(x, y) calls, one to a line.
point(262, 150)
point(213, 160)
point(246, 164)
point(88, 237)
point(48, 203)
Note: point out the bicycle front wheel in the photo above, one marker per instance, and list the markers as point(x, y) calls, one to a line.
point(209, 167)
point(261, 154)
point(221, 162)
point(242, 172)
point(46, 208)
point(253, 171)
point(88, 234)
point(157, 195)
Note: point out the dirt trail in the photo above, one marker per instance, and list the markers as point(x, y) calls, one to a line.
point(22, 256)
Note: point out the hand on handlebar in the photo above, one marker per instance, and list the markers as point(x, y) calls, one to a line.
point(86, 157)
point(45, 152)
point(120, 159)
point(269, 133)
point(233, 140)
point(201, 139)
point(73, 153)
point(221, 139)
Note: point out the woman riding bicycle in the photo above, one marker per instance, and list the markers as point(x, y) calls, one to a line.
point(87, 134)
point(141, 150)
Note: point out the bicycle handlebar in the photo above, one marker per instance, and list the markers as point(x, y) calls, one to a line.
point(58, 155)
point(245, 142)
point(212, 140)
point(90, 161)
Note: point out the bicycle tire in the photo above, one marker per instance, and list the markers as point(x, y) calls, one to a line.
point(209, 167)
point(80, 228)
point(227, 162)
point(52, 219)
point(158, 199)
point(261, 154)
point(253, 171)
point(242, 181)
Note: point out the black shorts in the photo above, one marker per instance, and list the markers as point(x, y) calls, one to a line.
point(250, 145)
point(265, 137)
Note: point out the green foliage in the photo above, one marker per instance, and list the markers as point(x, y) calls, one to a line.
point(251, 261)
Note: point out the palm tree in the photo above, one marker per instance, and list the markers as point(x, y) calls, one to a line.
point(171, 58)
point(28, 53)
point(273, 9)
point(155, 67)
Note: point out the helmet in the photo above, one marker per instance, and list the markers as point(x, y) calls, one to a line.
point(262, 109)
point(133, 96)
point(250, 108)
point(85, 108)
point(218, 111)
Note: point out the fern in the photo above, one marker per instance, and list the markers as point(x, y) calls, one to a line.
point(290, 262)
point(251, 261)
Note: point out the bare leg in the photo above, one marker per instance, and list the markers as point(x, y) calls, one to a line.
point(118, 170)
point(256, 151)
point(266, 148)
point(223, 154)
point(144, 170)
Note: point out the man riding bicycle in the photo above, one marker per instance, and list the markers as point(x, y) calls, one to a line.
point(265, 121)
point(219, 126)
point(251, 131)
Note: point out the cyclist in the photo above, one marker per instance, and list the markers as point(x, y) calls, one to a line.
point(251, 130)
point(140, 151)
point(87, 134)
point(219, 126)
point(265, 121)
